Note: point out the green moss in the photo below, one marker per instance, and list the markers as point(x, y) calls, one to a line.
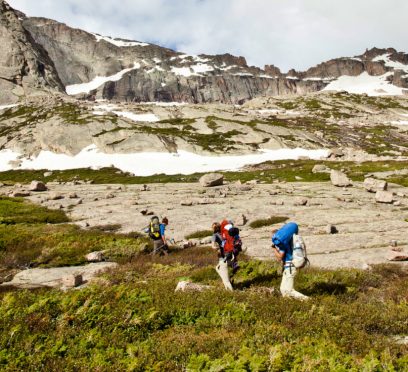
point(256, 224)
point(199, 234)
point(312, 104)
point(288, 105)
point(17, 210)
point(178, 121)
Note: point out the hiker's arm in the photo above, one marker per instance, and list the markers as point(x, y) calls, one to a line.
point(278, 254)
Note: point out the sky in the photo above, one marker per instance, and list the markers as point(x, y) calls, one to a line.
point(286, 33)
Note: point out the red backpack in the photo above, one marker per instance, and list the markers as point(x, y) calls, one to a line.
point(226, 237)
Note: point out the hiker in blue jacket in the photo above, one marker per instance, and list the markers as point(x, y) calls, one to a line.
point(282, 245)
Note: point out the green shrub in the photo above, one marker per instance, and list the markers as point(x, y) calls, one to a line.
point(267, 221)
point(199, 234)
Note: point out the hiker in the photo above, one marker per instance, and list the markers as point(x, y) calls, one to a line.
point(283, 249)
point(232, 244)
point(222, 266)
point(157, 232)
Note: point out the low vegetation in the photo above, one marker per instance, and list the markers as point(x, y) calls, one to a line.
point(256, 224)
point(131, 319)
point(199, 234)
point(33, 236)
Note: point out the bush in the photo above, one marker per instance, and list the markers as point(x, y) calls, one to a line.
point(267, 221)
point(199, 234)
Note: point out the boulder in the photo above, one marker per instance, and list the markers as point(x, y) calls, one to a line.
point(186, 203)
point(72, 195)
point(320, 168)
point(397, 256)
point(37, 186)
point(298, 202)
point(47, 174)
point(186, 286)
point(211, 180)
point(72, 281)
point(241, 220)
point(331, 229)
point(55, 196)
point(95, 256)
point(20, 194)
point(336, 153)
point(339, 179)
point(373, 185)
point(384, 197)
point(205, 241)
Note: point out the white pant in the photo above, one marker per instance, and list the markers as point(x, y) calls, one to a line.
point(286, 287)
point(222, 270)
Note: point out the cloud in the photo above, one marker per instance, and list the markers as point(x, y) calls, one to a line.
point(290, 34)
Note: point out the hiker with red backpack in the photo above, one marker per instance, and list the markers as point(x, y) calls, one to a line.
point(289, 248)
point(156, 231)
point(226, 239)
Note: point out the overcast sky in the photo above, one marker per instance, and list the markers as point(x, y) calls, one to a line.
point(287, 33)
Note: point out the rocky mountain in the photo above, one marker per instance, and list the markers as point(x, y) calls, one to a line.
point(92, 66)
point(25, 67)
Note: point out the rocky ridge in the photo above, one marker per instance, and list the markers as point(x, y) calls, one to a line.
point(366, 128)
point(25, 67)
point(140, 72)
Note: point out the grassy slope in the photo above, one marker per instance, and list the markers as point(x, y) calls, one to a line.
point(133, 320)
point(283, 170)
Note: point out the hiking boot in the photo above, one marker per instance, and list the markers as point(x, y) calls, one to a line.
point(235, 268)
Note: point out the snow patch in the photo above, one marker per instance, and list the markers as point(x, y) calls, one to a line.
point(389, 63)
point(149, 163)
point(399, 122)
point(192, 70)
point(243, 74)
point(119, 42)
point(103, 109)
point(165, 104)
point(365, 83)
point(137, 117)
point(98, 81)
point(8, 106)
point(269, 111)
point(202, 68)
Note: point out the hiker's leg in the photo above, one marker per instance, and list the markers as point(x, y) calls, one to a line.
point(222, 270)
point(287, 284)
point(157, 246)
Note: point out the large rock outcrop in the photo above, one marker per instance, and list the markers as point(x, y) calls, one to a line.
point(25, 67)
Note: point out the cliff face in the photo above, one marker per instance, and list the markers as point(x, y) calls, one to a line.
point(45, 53)
point(25, 67)
point(163, 75)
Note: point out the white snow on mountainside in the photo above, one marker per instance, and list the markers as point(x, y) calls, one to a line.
point(365, 83)
point(98, 81)
point(394, 64)
point(119, 43)
point(149, 163)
